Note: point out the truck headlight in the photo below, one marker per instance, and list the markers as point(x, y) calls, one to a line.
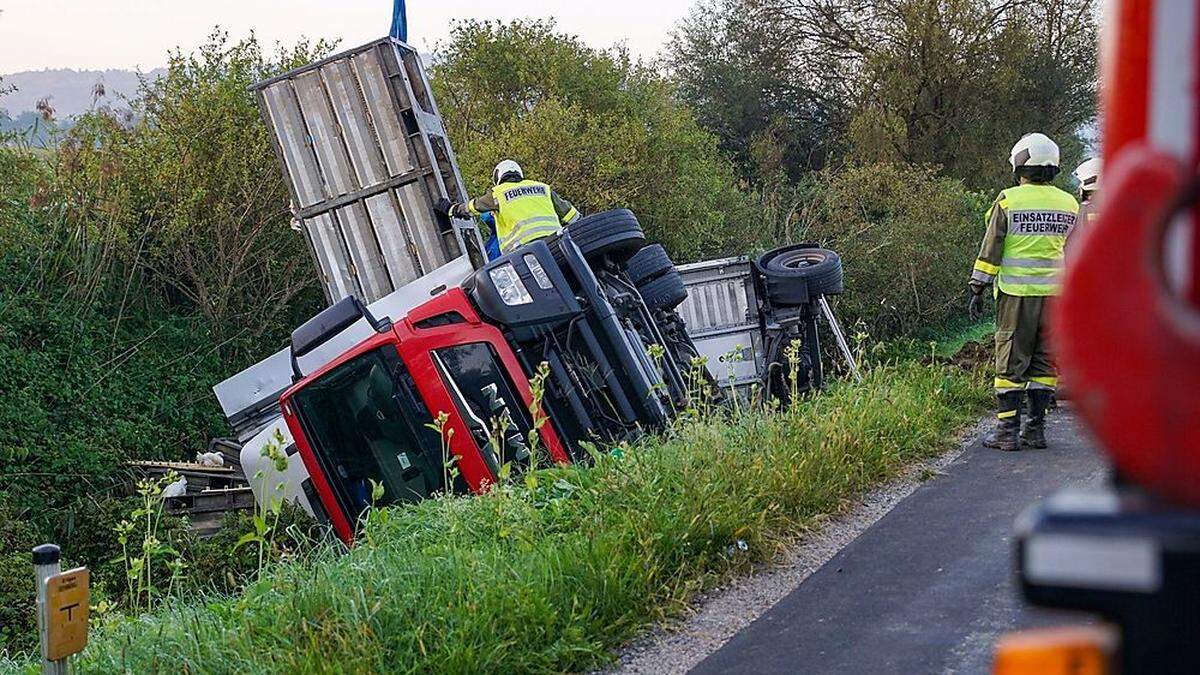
point(512, 290)
point(539, 272)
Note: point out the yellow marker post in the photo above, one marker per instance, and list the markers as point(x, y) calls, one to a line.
point(62, 602)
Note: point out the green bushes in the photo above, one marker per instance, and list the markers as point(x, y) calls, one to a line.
point(907, 238)
point(79, 397)
point(550, 575)
point(604, 131)
point(180, 204)
point(143, 259)
point(17, 539)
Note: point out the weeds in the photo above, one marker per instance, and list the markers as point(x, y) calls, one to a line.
point(537, 385)
point(449, 460)
point(731, 359)
point(270, 507)
point(142, 550)
point(792, 353)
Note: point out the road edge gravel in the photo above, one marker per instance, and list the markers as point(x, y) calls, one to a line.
point(719, 614)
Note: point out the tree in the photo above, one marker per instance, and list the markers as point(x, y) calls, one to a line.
point(179, 203)
point(772, 113)
point(604, 130)
point(952, 83)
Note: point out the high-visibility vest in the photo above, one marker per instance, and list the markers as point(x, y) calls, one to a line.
point(526, 213)
point(1039, 219)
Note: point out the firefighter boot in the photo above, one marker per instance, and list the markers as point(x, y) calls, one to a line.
point(1008, 423)
point(1034, 434)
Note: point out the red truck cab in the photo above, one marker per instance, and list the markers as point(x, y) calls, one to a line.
point(370, 416)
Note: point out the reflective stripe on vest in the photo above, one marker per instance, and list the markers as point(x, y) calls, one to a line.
point(1039, 219)
point(526, 213)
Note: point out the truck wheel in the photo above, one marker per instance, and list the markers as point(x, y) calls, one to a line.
point(795, 275)
point(616, 234)
point(665, 292)
point(648, 264)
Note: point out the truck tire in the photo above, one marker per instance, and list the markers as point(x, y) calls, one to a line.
point(665, 292)
point(648, 264)
point(794, 275)
point(616, 234)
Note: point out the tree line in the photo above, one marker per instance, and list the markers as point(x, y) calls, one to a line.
point(790, 86)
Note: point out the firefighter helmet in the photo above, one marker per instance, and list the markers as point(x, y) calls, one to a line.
point(506, 169)
point(1034, 150)
point(1088, 175)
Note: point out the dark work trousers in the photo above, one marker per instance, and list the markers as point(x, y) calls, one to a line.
point(1023, 358)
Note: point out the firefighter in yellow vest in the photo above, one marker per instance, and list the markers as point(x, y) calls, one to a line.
point(525, 210)
point(1088, 177)
point(1022, 256)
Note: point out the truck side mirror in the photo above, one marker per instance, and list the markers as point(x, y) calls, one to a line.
point(328, 324)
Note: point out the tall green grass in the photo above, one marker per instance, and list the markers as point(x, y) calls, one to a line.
point(550, 574)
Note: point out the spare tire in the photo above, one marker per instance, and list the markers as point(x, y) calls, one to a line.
point(616, 234)
point(665, 292)
point(648, 264)
point(794, 275)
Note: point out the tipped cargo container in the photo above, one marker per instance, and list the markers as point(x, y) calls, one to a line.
point(366, 157)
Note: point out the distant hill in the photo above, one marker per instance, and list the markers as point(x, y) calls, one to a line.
point(70, 92)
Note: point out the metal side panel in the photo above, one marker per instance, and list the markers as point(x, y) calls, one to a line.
point(369, 265)
point(397, 72)
point(393, 138)
point(390, 229)
point(419, 79)
point(268, 483)
point(348, 104)
point(414, 72)
point(730, 355)
point(720, 295)
point(322, 127)
point(716, 304)
point(719, 268)
point(260, 385)
point(369, 154)
point(292, 137)
point(331, 256)
point(422, 225)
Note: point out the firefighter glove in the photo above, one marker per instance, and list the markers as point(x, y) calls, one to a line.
point(975, 304)
point(444, 207)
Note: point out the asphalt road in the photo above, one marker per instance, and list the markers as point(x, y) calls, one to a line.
point(929, 587)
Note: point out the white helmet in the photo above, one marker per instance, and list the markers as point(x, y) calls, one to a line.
point(1088, 174)
point(1034, 150)
point(505, 168)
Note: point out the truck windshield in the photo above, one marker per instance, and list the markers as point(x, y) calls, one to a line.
point(363, 427)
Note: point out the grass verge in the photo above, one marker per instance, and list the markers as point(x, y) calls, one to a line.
point(950, 340)
point(552, 573)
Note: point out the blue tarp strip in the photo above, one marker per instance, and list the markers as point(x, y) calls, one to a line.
point(399, 22)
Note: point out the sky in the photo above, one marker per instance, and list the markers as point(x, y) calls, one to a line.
point(137, 34)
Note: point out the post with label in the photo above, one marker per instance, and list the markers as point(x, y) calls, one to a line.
point(63, 600)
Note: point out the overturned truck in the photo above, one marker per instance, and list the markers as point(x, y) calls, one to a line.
point(433, 369)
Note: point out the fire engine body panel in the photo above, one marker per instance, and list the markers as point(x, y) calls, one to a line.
point(1129, 551)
